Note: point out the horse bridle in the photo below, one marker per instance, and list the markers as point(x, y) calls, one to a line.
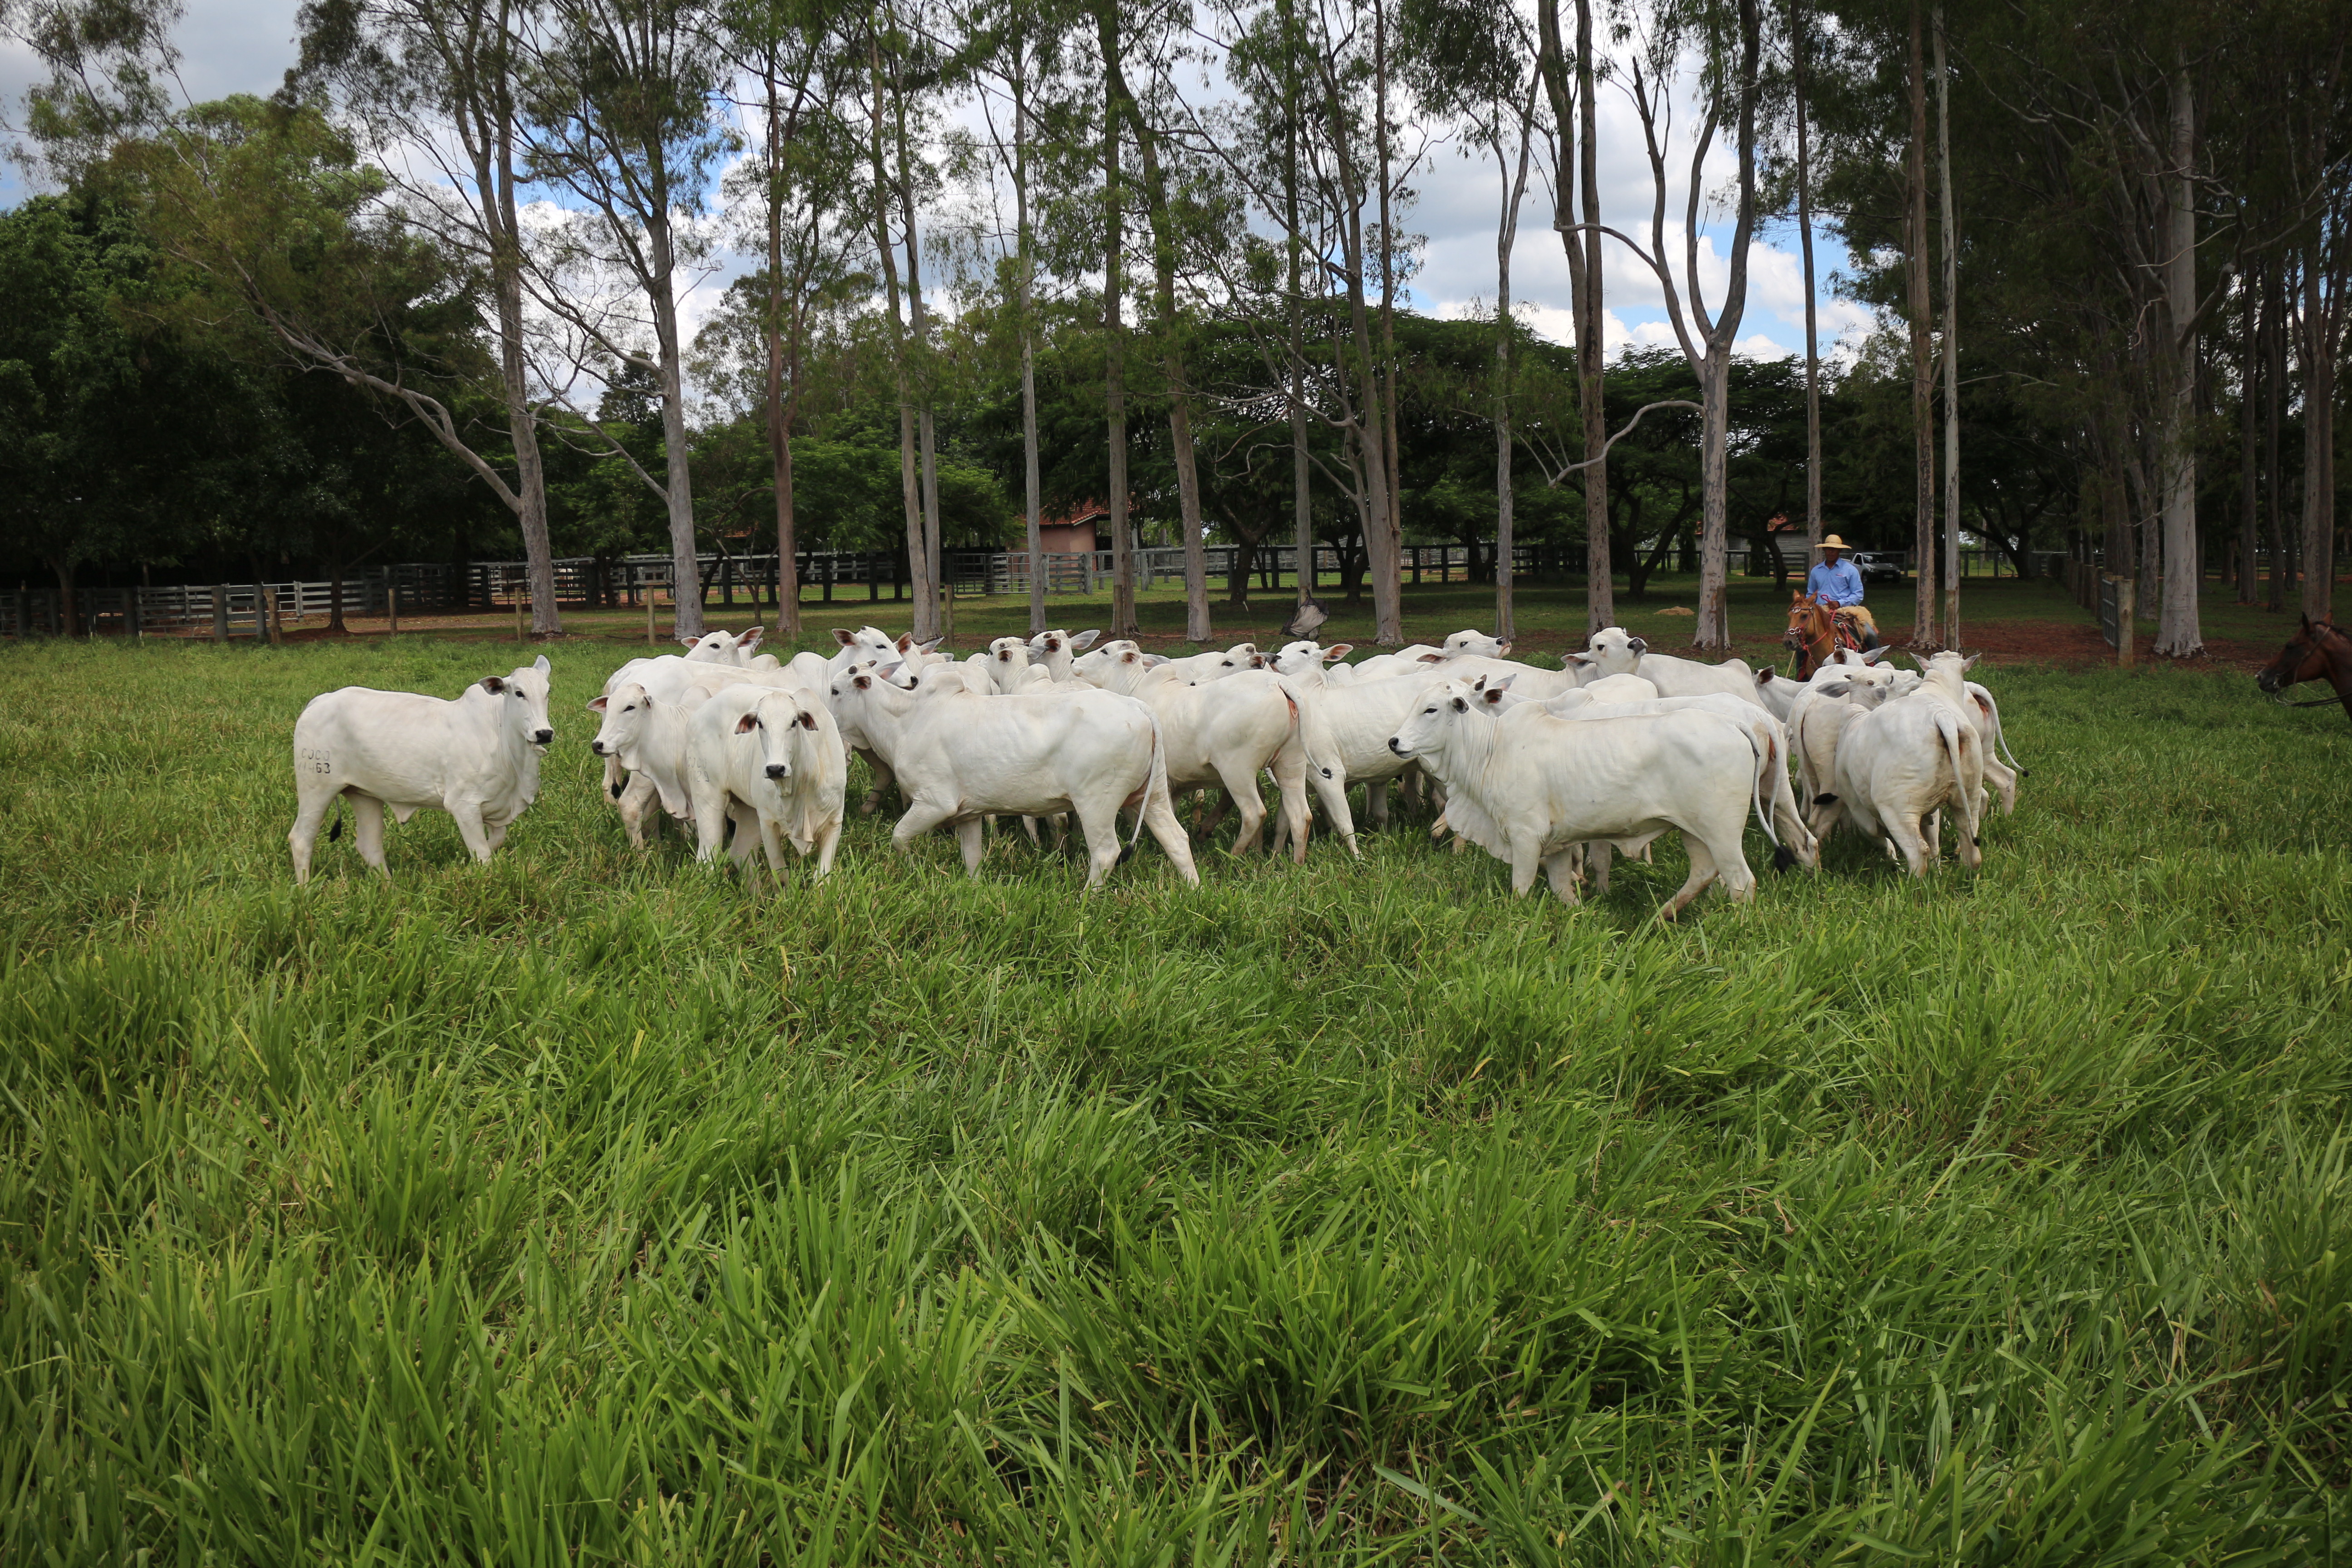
point(2324, 629)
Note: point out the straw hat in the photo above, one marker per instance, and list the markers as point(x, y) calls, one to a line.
point(1831, 542)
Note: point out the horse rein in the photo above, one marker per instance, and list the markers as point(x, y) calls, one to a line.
point(2326, 629)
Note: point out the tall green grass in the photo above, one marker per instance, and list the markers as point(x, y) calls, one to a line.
point(586, 1208)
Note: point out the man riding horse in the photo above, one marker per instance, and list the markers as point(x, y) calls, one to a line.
point(1829, 614)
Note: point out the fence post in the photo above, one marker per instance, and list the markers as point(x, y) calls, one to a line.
point(220, 612)
point(277, 625)
point(649, 613)
point(522, 593)
point(391, 604)
point(2124, 589)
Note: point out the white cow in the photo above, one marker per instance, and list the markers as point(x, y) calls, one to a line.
point(1541, 685)
point(1057, 649)
point(961, 757)
point(1769, 736)
point(1904, 762)
point(1612, 650)
point(1358, 717)
point(1529, 787)
point(1224, 732)
point(772, 763)
point(721, 647)
point(1824, 707)
point(647, 734)
point(475, 758)
point(1469, 643)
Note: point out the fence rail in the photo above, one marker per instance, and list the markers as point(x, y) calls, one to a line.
point(238, 609)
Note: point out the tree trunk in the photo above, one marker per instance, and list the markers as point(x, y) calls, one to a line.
point(918, 573)
point(1180, 395)
point(2177, 635)
point(1713, 631)
point(778, 417)
point(68, 608)
point(2274, 420)
point(926, 428)
point(1951, 344)
point(1032, 484)
point(2254, 307)
point(678, 478)
point(1122, 551)
point(1506, 235)
point(1302, 500)
point(2317, 341)
point(1923, 383)
point(1798, 44)
point(1386, 561)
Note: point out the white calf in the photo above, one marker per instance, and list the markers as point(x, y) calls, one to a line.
point(1901, 764)
point(475, 758)
point(772, 762)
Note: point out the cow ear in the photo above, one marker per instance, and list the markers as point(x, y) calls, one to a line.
point(1504, 684)
point(1084, 640)
point(689, 642)
point(1433, 658)
point(845, 638)
point(1460, 705)
point(749, 639)
point(746, 724)
point(1331, 654)
point(1970, 662)
point(1128, 657)
point(493, 685)
point(1764, 676)
point(1836, 688)
point(540, 664)
point(807, 720)
point(1154, 660)
point(1566, 659)
point(928, 646)
point(1479, 684)
point(598, 705)
point(906, 640)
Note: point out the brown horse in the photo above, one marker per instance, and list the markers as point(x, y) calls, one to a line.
point(1816, 631)
point(2319, 650)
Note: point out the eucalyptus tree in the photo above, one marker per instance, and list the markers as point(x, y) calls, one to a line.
point(435, 90)
point(1576, 217)
point(800, 182)
point(621, 100)
point(1725, 37)
point(1464, 60)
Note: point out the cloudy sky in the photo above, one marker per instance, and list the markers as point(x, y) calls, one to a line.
point(246, 45)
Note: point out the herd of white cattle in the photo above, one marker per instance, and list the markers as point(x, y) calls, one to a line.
point(1550, 769)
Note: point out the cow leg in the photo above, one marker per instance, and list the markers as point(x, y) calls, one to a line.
point(883, 779)
point(968, 838)
point(469, 828)
point(1598, 855)
point(1099, 820)
point(304, 837)
point(1331, 789)
point(1931, 829)
point(1526, 861)
point(1702, 872)
point(367, 832)
point(1561, 870)
point(1289, 769)
point(1241, 793)
point(828, 839)
point(1216, 809)
point(750, 839)
point(2003, 779)
point(497, 834)
point(1904, 833)
point(919, 819)
point(636, 796)
point(1376, 803)
point(1160, 817)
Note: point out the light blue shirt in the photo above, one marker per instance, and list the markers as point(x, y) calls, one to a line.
point(1838, 581)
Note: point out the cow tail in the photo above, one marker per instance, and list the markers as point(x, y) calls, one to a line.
point(2000, 737)
point(1155, 783)
point(1765, 756)
point(1947, 726)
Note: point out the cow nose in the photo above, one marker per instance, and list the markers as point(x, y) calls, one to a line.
point(1394, 747)
point(777, 770)
point(597, 747)
point(542, 736)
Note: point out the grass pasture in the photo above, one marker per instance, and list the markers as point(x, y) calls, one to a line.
point(584, 1208)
